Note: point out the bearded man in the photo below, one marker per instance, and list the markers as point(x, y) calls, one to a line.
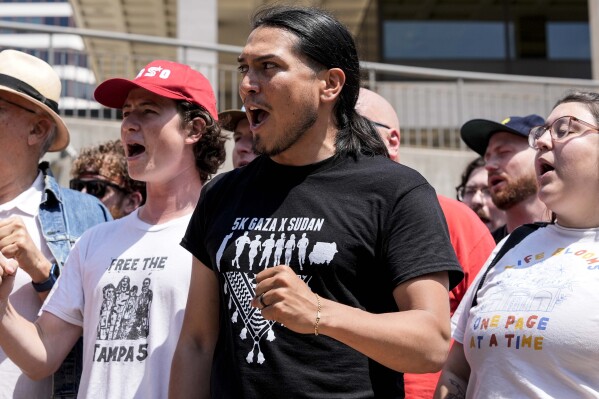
point(510, 164)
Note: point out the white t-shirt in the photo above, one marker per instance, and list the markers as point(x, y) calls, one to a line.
point(13, 383)
point(533, 333)
point(126, 283)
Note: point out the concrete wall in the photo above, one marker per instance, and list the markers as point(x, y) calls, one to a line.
point(442, 168)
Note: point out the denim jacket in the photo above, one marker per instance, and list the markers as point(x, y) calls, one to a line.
point(64, 215)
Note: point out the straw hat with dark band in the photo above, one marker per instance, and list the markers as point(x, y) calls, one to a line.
point(35, 81)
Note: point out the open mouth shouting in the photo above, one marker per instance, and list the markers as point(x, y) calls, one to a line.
point(543, 167)
point(257, 115)
point(134, 149)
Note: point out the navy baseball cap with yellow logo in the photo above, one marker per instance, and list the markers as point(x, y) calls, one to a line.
point(477, 132)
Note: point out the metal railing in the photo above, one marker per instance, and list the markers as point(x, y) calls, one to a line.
point(432, 104)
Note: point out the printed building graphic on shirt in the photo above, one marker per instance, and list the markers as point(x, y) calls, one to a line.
point(517, 310)
point(258, 243)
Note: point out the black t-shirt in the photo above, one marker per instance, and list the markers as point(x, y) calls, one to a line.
point(352, 229)
point(500, 233)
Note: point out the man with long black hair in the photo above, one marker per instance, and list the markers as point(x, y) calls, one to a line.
point(370, 298)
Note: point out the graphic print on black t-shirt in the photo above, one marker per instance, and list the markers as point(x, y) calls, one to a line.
point(265, 242)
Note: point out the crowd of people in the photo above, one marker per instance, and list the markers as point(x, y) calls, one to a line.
point(319, 267)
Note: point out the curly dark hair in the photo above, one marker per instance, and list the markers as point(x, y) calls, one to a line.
point(210, 150)
point(107, 159)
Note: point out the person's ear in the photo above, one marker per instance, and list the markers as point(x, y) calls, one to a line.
point(393, 142)
point(132, 202)
point(40, 130)
point(332, 83)
point(197, 127)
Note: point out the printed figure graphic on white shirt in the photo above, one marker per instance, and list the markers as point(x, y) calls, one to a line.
point(122, 296)
point(279, 245)
point(106, 310)
point(255, 245)
point(240, 245)
point(267, 247)
point(124, 314)
point(129, 316)
point(142, 313)
point(302, 244)
point(289, 247)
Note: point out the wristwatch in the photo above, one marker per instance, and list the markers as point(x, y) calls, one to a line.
point(47, 284)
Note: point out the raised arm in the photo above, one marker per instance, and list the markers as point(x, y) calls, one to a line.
point(192, 361)
point(415, 339)
point(37, 348)
point(16, 243)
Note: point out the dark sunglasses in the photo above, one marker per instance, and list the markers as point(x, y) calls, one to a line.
point(97, 188)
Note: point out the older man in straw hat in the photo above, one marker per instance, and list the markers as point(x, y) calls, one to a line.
point(39, 221)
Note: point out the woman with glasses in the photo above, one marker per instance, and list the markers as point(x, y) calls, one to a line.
point(474, 192)
point(532, 332)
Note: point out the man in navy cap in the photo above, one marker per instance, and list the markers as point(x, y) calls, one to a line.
point(510, 163)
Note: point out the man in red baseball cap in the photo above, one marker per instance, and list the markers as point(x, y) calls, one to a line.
point(126, 283)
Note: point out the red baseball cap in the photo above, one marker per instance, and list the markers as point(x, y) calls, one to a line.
point(165, 78)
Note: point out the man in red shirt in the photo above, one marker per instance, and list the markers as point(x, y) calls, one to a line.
point(470, 238)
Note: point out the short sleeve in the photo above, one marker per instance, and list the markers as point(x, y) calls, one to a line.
point(418, 241)
point(193, 240)
point(66, 300)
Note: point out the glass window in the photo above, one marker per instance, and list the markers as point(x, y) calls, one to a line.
point(568, 41)
point(445, 40)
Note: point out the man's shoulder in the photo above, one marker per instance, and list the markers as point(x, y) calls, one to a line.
point(386, 166)
point(77, 199)
point(77, 195)
point(83, 206)
point(459, 212)
point(381, 171)
point(108, 229)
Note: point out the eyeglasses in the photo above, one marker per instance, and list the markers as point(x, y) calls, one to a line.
point(95, 187)
point(468, 192)
point(379, 124)
point(560, 129)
